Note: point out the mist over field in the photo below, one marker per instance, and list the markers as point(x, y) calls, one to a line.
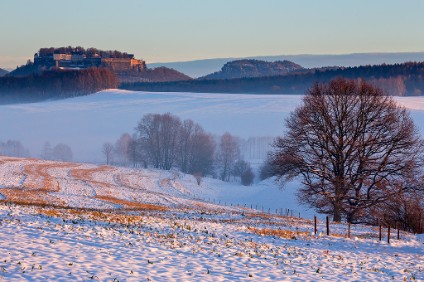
point(85, 123)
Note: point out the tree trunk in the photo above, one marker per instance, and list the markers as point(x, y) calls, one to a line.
point(337, 213)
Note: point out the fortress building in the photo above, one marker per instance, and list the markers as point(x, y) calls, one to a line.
point(62, 58)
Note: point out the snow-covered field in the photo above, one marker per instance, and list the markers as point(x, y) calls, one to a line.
point(120, 224)
point(65, 245)
point(82, 221)
point(85, 123)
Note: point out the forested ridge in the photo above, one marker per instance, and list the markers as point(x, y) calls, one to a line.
point(56, 84)
point(395, 79)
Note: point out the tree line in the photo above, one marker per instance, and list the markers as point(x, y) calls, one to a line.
point(89, 52)
point(14, 148)
point(396, 79)
point(55, 85)
point(59, 152)
point(164, 141)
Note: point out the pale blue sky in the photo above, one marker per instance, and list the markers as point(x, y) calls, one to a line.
point(171, 30)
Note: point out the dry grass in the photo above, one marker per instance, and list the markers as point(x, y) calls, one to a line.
point(368, 235)
point(50, 212)
point(37, 185)
point(132, 205)
point(85, 214)
point(30, 197)
point(39, 179)
point(262, 215)
point(87, 174)
point(338, 235)
point(287, 234)
point(126, 219)
point(10, 159)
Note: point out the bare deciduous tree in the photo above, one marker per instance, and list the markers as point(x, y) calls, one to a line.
point(47, 152)
point(13, 148)
point(196, 150)
point(121, 149)
point(405, 211)
point(243, 170)
point(228, 153)
point(352, 146)
point(62, 152)
point(136, 154)
point(107, 150)
point(158, 136)
point(167, 142)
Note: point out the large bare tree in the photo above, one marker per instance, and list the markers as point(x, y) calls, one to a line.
point(158, 136)
point(352, 146)
point(196, 149)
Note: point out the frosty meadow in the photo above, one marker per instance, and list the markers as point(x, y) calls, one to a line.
point(127, 224)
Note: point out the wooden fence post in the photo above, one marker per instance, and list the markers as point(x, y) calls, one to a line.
point(388, 235)
point(348, 230)
point(315, 225)
point(379, 233)
point(328, 225)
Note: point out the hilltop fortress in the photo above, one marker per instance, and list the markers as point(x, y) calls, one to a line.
point(80, 58)
point(123, 65)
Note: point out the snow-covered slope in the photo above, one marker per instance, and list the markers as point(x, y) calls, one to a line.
point(41, 244)
point(105, 187)
point(85, 123)
point(82, 222)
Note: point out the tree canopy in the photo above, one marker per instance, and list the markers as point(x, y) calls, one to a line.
point(353, 148)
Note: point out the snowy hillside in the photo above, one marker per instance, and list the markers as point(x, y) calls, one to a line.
point(104, 187)
point(135, 225)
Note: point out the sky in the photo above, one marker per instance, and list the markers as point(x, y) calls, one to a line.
point(171, 30)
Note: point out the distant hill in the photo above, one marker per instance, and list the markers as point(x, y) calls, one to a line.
point(124, 65)
point(160, 74)
point(397, 79)
point(3, 72)
point(199, 68)
point(253, 68)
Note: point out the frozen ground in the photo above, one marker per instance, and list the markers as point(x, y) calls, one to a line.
point(86, 222)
